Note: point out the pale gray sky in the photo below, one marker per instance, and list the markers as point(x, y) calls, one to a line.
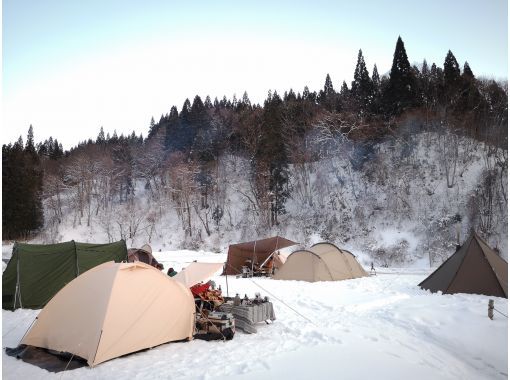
point(70, 67)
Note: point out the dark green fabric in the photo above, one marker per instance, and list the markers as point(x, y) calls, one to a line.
point(45, 269)
point(89, 255)
point(9, 281)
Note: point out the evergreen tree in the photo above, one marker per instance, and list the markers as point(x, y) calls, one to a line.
point(100, 137)
point(327, 96)
point(375, 77)
point(30, 147)
point(328, 86)
point(271, 155)
point(451, 73)
point(467, 73)
point(115, 138)
point(425, 69)
point(153, 128)
point(344, 90)
point(362, 88)
point(207, 102)
point(22, 212)
point(400, 93)
point(306, 93)
point(246, 100)
point(186, 108)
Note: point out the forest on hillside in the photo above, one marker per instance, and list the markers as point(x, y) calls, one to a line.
point(186, 161)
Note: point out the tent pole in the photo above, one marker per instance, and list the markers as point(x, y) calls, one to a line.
point(253, 256)
point(226, 276)
point(17, 283)
point(268, 257)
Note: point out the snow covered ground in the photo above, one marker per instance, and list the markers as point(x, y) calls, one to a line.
point(382, 327)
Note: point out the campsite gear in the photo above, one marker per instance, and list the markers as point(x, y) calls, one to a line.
point(255, 251)
point(112, 310)
point(249, 314)
point(475, 268)
point(197, 272)
point(215, 325)
point(36, 272)
point(322, 262)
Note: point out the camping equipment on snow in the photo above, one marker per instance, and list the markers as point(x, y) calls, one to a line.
point(252, 254)
point(143, 254)
point(249, 312)
point(197, 272)
point(112, 310)
point(206, 297)
point(322, 262)
point(36, 272)
point(214, 325)
point(475, 268)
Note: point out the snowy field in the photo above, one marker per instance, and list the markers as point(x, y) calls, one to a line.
point(382, 327)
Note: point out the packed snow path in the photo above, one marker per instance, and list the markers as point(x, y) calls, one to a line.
point(382, 327)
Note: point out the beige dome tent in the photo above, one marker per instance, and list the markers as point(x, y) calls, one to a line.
point(322, 262)
point(112, 310)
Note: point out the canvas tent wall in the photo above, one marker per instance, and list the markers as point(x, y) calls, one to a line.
point(112, 310)
point(322, 262)
point(258, 250)
point(475, 268)
point(196, 273)
point(36, 272)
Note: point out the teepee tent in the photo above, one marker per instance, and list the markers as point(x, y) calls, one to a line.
point(475, 268)
point(257, 251)
point(36, 272)
point(322, 262)
point(112, 310)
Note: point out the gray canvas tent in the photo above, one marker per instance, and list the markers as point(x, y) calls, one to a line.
point(475, 268)
point(322, 262)
point(36, 272)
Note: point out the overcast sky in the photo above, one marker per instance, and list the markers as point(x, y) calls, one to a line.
point(72, 66)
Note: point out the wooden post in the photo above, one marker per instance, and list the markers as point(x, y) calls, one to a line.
point(491, 309)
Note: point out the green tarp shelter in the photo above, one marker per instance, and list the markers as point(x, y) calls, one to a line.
point(36, 272)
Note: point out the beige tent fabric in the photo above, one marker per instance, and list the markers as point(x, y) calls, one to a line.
point(279, 259)
point(322, 262)
point(112, 310)
point(343, 266)
point(197, 272)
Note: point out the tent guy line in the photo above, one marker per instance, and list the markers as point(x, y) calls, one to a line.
point(275, 297)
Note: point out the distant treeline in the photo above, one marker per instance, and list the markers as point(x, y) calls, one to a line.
point(273, 135)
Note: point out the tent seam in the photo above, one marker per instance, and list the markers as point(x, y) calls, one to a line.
point(460, 264)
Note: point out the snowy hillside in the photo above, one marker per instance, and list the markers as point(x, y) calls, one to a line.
point(382, 327)
point(395, 203)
